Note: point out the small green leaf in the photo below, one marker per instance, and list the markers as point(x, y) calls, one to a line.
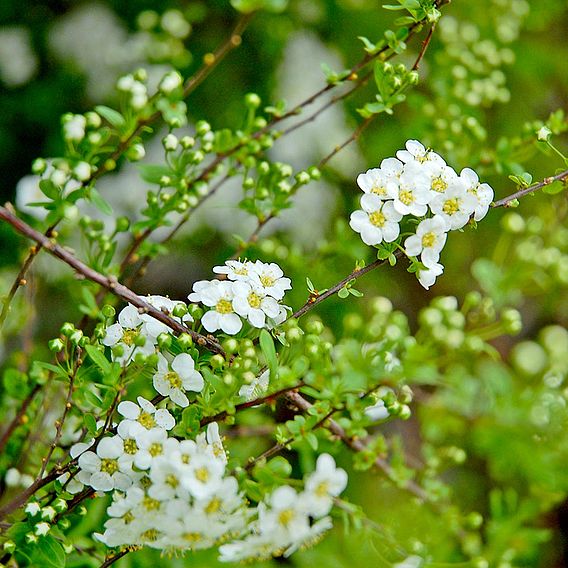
point(269, 351)
point(153, 173)
point(113, 117)
point(49, 189)
point(343, 292)
point(310, 285)
point(90, 423)
point(98, 358)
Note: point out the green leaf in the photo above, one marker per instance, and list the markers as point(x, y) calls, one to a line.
point(15, 383)
point(90, 423)
point(343, 293)
point(48, 553)
point(113, 117)
point(49, 189)
point(248, 6)
point(269, 351)
point(98, 358)
point(310, 285)
point(153, 173)
point(100, 203)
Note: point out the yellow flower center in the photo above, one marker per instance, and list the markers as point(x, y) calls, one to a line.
point(439, 185)
point(185, 458)
point(202, 474)
point(192, 537)
point(322, 490)
point(379, 190)
point(172, 480)
point(285, 517)
point(428, 239)
point(241, 271)
point(174, 379)
point(129, 336)
point(147, 420)
point(130, 446)
point(267, 281)
point(149, 535)
point(406, 196)
point(150, 504)
point(224, 306)
point(377, 218)
point(156, 449)
point(254, 300)
point(109, 466)
point(213, 506)
point(128, 517)
point(451, 206)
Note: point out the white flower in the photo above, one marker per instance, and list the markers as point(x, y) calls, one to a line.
point(215, 443)
point(455, 205)
point(203, 475)
point(253, 303)
point(311, 537)
point(143, 415)
point(412, 194)
point(271, 278)
point(392, 168)
point(106, 469)
point(74, 127)
point(41, 529)
point(286, 519)
point(326, 482)
point(152, 444)
point(153, 327)
point(257, 388)
point(218, 295)
point(32, 508)
point(428, 241)
point(409, 562)
point(416, 152)
point(181, 377)
point(428, 276)
point(376, 181)
point(166, 478)
point(126, 333)
point(481, 191)
point(377, 222)
point(170, 82)
point(440, 176)
point(235, 269)
point(170, 142)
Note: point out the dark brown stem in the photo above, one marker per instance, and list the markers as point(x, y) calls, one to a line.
point(115, 558)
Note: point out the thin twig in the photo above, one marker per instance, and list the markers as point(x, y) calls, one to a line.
point(505, 202)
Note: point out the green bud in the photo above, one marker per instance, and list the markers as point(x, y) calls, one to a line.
point(139, 341)
point(185, 341)
point(315, 327)
point(187, 142)
point(60, 505)
point(293, 335)
point(252, 100)
point(406, 395)
point(259, 122)
point(511, 320)
point(230, 345)
point(474, 520)
point(9, 547)
point(229, 379)
point(353, 321)
point(529, 357)
point(217, 361)
point(195, 311)
point(108, 311)
point(109, 165)
point(39, 166)
point(93, 119)
point(302, 178)
point(248, 377)
point(164, 341)
point(76, 336)
point(202, 127)
point(404, 413)
point(314, 172)
point(55, 345)
point(136, 152)
point(67, 329)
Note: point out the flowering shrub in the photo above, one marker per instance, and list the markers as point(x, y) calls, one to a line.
point(152, 413)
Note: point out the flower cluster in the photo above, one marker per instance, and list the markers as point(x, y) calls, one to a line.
point(252, 292)
point(288, 520)
point(181, 496)
point(418, 182)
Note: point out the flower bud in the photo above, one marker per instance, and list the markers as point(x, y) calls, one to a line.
point(252, 100)
point(170, 142)
point(136, 152)
point(55, 345)
point(185, 341)
point(39, 166)
point(217, 361)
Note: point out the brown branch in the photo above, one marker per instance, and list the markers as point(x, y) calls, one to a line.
point(109, 283)
point(115, 558)
point(505, 202)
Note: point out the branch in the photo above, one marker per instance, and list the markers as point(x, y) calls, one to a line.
point(506, 201)
point(108, 282)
